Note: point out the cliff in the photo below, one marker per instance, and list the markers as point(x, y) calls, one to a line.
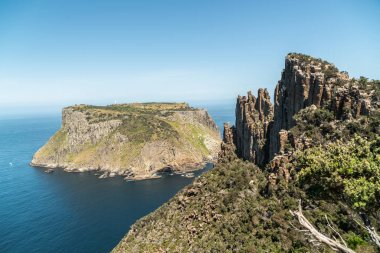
point(261, 128)
point(318, 178)
point(132, 140)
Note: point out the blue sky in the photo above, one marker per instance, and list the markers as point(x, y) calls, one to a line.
point(62, 52)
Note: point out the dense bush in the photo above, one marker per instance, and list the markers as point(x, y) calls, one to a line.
point(368, 126)
point(353, 240)
point(317, 124)
point(313, 117)
point(350, 170)
point(368, 85)
point(320, 126)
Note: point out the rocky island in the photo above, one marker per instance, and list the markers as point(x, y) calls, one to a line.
point(302, 175)
point(132, 140)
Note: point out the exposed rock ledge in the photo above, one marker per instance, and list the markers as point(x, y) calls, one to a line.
point(132, 140)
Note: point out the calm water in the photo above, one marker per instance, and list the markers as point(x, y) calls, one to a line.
point(67, 212)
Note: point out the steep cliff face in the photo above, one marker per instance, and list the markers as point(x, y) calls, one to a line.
point(261, 130)
point(134, 140)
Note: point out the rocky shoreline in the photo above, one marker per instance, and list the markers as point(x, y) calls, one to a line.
point(127, 175)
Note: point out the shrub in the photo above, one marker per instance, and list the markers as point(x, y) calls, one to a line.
point(353, 240)
point(314, 117)
point(349, 170)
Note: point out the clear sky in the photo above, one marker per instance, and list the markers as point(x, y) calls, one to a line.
point(61, 52)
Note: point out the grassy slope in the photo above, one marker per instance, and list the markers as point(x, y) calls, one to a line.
point(141, 123)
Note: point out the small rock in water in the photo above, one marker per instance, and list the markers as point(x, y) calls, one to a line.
point(189, 175)
point(104, 175)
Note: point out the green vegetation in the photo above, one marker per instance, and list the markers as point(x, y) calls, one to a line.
point(329, 69)
point(320, 126)
point(309, 118)
point(344, 159)
point(308, 59)
point(366, 126)
point(144, 128)
point(150, 108)
point(95, 114)
point(55, 143)
point(348, 170)
point(192, 134)
point(353, 240)
point(368, 85)
point(227, 210)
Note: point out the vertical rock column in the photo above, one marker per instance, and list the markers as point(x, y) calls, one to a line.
point(253, 116)
point(228, 147)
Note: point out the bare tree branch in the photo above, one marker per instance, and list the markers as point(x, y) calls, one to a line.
point(336, 232)
point(374, 236)
point(372, 232)
point(334, 244)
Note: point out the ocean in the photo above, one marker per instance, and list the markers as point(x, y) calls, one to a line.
point(71, 212)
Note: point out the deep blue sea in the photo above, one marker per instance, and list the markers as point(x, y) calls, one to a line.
point(70, 212)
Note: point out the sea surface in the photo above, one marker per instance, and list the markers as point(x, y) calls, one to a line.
point(71, 212)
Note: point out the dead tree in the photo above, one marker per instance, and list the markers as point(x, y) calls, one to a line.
point(371, 230)
point(333, 243)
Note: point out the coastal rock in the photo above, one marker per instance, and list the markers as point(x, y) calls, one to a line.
point(260, 131)
point(132, 140)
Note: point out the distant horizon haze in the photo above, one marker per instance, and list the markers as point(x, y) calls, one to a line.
point(58, 53)
point(56, 109)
